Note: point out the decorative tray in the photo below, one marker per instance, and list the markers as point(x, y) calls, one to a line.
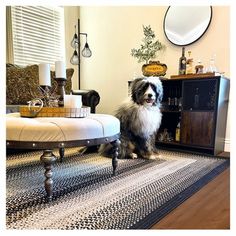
point(37, 111)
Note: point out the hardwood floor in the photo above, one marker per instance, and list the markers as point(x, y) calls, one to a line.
point(209, 208)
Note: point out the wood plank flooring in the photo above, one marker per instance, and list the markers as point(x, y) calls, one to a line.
point(209, 208)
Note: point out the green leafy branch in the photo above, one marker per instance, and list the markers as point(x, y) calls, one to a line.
point(149, 48)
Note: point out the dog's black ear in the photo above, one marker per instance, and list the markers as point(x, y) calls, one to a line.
point(158, 88)
point(134, 88)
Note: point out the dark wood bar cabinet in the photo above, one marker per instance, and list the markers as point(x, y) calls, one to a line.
point(198, 108)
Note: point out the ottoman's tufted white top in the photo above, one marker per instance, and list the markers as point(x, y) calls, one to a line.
point(53, 129)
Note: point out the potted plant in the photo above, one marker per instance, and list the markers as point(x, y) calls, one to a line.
point(148, 51)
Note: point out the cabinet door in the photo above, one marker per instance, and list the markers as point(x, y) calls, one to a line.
point(197, 128)
point(200, 95)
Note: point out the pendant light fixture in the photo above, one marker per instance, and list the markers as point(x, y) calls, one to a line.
point(75, 58)
point(86, 52)
point(75, 43)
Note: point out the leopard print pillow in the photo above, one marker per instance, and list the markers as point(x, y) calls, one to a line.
point(22, 83)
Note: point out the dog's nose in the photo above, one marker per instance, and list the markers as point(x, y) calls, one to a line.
point(149, 95)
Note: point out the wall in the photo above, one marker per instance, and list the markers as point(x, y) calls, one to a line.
point(114, 31)
point(71, 15)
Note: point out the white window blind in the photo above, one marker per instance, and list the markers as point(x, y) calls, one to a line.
point(38, 34)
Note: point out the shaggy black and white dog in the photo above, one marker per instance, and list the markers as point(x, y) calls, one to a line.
point(140, 119)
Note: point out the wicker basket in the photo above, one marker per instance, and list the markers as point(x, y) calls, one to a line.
point(36, 111)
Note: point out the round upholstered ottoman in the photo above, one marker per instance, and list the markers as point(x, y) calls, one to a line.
point(48, 133)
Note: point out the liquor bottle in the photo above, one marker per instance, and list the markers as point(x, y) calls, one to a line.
point(182, 63)
point(212, 68)
point(189, 64)
point(199, 67)
point(196, 99)
point(177, 133)
point(170, 99)
point(176, 105)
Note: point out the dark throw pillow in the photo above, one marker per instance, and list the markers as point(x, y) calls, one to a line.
point(22, 83)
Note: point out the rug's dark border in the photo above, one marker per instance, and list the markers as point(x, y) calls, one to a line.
point(173, 203)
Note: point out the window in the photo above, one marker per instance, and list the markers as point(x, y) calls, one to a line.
point(38, 34)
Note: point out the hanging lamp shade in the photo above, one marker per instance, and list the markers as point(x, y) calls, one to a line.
point(75, 41)
point(75, 58)
point(86, 52)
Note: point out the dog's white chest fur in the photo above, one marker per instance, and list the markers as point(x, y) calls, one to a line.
point(147, 120)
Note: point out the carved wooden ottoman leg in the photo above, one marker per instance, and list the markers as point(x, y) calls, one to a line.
point(48, 158)
point(62, 153)
point(115, 153)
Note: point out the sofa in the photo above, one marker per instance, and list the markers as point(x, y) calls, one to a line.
point(22, 86)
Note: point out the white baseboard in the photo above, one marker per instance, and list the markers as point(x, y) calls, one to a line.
point(227, 145)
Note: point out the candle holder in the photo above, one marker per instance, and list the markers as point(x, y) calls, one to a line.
point(60, 90)
point(48, 96)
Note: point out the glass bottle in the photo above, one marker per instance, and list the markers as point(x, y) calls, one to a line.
point(176, 98)
point(212, 67)
point(177, 132)
point(182, 63)
point(199, 67)
point(196, 99)
point(189, 64)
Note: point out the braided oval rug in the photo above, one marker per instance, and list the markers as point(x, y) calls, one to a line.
point(87, 196)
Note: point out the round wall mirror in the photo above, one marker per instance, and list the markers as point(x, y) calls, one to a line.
point(184, 25)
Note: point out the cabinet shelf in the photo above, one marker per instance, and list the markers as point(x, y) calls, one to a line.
point(169, 111)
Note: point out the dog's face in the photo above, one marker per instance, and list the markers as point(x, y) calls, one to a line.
point(147, 91)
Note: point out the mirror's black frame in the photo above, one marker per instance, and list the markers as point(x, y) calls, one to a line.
point(192, 41)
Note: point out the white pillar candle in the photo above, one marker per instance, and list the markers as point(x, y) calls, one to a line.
point(67, 101)
point(60, 69)
point(76, 101)
point(44, 74)
point(72, 101)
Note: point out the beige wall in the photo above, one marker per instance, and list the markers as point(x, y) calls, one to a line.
point(113, 31)
point(71, 15)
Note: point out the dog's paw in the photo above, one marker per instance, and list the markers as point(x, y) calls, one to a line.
point(133, 156)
